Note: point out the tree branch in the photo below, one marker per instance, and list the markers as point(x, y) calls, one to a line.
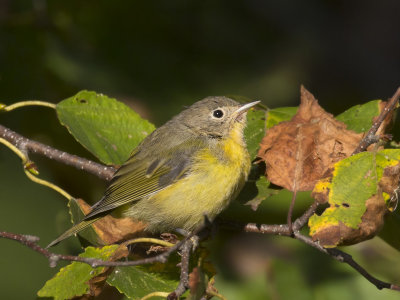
point(184, 265)
point(370, 137)
point(335, 253)
point(282, 229)
point(186, 244)
point(31, 242)
point(27, 145)
point(347, 259)
point(303, 219)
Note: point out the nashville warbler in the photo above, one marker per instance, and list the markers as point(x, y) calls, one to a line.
point(192, 166)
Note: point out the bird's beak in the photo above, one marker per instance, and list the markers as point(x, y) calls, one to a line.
point(246, 107)
point(243, 109)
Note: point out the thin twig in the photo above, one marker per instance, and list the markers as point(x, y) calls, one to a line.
point(31, 242)
point(341, 256)
point(184, 265)
point(370, 137)
point(347, 259)
point(25, 144)
point(303, 219)
point(290, 212)
point(281, 229)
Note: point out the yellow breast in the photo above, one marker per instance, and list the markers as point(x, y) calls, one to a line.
point(216, 177)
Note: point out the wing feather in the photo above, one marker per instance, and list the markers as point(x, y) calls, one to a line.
point(144, 174)
point(134, 180)
point(74, 229)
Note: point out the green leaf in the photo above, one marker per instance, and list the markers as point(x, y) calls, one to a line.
point(263, 192)
point(280, 114)
point(258, 121)
point(106, 127)
point(71, 281)
point(254, 131)
point(355, 180)
point(139, 281)
point(359, 118)
point(87, 236)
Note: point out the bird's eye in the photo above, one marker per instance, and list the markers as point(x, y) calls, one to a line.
point(218, 113)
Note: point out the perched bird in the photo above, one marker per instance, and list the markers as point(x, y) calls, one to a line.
point(192, 166)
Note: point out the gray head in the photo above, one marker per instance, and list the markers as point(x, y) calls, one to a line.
point(214, 116)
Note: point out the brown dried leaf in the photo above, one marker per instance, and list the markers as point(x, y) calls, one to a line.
point(169, 237)
point(155, 249)
point(298, 152)
point(390, 185)
point(390, 179)
point(113, 230)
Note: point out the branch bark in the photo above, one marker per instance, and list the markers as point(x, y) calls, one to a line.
point(27, 145)
point(370, 137)
point(347, 259)
point(184, 265)
point(31, 242)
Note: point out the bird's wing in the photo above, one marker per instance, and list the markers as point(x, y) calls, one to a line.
point(74, 229)
point(141, 176)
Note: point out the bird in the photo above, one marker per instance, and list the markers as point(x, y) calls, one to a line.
point(190, 167)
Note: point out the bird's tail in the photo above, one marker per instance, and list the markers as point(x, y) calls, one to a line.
point(75, 229)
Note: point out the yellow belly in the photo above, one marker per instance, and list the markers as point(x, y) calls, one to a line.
point(213, 181)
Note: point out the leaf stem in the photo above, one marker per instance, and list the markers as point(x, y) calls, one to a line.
point(148, 240)
point(14, 149)
point(26, 103)
point(370, 138)
point(48, 184)
point(155, 294)
point(30, 168)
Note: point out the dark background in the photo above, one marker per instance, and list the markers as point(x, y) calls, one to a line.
point(157, 56)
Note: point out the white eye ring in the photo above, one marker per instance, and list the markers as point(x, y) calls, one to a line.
point(218, 113)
